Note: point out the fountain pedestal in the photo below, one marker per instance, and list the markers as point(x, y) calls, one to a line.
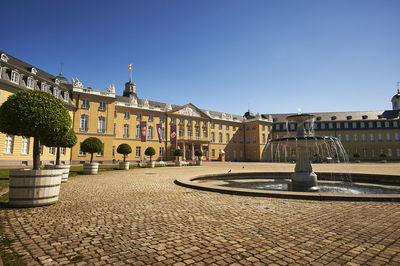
point(303, 179)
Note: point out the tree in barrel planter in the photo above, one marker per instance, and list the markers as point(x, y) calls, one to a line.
point(198, 153)
point(178, 153)
point(66, 141)
point(124, 149)
point(42, 116)
point(356, 157)
point(91, 145)
point(150, 152)
point(383, 157)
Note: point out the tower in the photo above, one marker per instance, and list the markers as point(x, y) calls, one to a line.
point(130, 89)
point(396, 98)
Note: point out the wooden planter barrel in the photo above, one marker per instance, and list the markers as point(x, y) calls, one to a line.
point(151, 164)
point(32, 188)
point(65, 169)
point(90, 168)
point(124, 165)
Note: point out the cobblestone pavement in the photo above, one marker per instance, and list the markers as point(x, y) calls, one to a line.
point(140, 217)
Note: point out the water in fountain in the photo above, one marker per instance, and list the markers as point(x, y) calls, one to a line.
point(301, 146)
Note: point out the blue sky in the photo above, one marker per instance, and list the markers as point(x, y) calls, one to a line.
point(269, 56)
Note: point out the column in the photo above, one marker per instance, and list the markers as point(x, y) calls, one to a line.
point(192, 151)
point(208, 152)
point(184, 151)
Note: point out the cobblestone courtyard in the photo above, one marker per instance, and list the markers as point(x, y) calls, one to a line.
point(141, 217)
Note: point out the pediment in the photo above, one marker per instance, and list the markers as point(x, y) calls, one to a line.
point(189, 110)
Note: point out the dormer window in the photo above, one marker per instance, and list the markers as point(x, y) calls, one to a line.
point(379, 116)
point(14, 76)
point(55, 92)
point(33, 70)
point(29, 83)
point(66, 95)
point(318, 118)
point(57, 81)
point(43, 87)
point(349, 117)
point(333, 118)
point(364, 117)
point(4, 57)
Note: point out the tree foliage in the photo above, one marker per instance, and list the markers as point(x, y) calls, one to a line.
point(198, 153)
point(92, 145)
point(68, 140)
point(150, 151)
point(178, 152)
point(124, 149)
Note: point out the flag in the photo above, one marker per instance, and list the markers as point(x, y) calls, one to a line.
point(173, 138)
point(160, 133)
point(143, 131)
point(130, 66)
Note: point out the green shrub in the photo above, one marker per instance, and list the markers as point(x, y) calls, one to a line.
point(92, 145)
point(356, 155)
point(34, 114)
point(178, 153)
point(124, 149)
point(150, 152)
point(67, 141)
point(198, 153)
point(383, 155)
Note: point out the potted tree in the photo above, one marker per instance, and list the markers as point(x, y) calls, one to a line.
point(383, 157)
point(124, 149)
point(91, 145)
point(198, 153)
point(67, 141)
point(39, 115)
point(150, 152)
point(356, 157)
point(178, 153)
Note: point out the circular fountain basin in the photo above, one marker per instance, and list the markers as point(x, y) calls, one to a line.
point(278, 185)
point(303, 141)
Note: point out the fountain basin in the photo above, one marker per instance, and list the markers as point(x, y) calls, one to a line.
point(219, 182)
point(304, 141)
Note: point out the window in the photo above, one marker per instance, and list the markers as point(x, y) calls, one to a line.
point(181, 120)
point(227, 138)
point(388, 137)
point(354, 125)
point(197, 123)
point(115, 114)
point(115, 129)
point(241, 154)
point(139, 117)
point(213, 153)
point(380, 139)
point(204, 123)
point(126, 131)
point(25, 146)
point(387, 124)
point(330, 125)
point(85, 104)
point(227, 127)
point(173, 120)
point(101, 125)
point(220, 126)
point(205, 133)
point(43, 87)
point(84, 123)
point(255, 154)
point(277, 127)
point(29, 83)
point(390, 152)
point(240, 139)
point(346, 125)
point(150, 132)
point(212, 125)
point(234, 138)
point(395, 124)
point(62, 151)
point(81, 153)
point(372, 152)
point(362, 125)
point(197, 133)
point(254, 127)
point(355, 137)
point(51, 150)
point(322, 125)
point(398, 152)
point(55, 92)
point(162, 119)
point(370, 124)
point(263, 127)
point(263, 138)
point(137, 151)
point(234, 127)
point(138, 131)
point(365, 155)
point(9, 144)
point(220, 137)
point(150, 118)
point(338, 125)
point(15, 77)
point(363, 138)
point(113, 151)
point(172, 151)
point(212, 137)
point(101, 153)
point(347, 136)
point(66, 96)
point(181, 131)
point(371, 137)
point(161, 151)
point(247, 139)
point(189, 132)
point(127, 115)
point(396, 137)
point(189, 122)
point(254, 138)
point(102, 106)
point(339, 137)
point(292, 126)
point(378, 124)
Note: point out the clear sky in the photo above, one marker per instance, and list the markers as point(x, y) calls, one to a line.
point(223, 55)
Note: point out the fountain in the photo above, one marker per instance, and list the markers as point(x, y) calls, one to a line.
point(303, 182)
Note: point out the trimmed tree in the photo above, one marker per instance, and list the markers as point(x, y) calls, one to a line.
point(198, 153)
point(34, 114)
point(178, 153)
point(150, 152)
point(92, 145)
point(68, 141)
point(124, 149)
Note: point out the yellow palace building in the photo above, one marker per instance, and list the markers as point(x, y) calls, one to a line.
point(221, 136)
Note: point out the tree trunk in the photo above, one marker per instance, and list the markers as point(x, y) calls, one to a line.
point(150, 158)
point(36, 154)
point(91, 157)
point(124, 157)
point(58, 156)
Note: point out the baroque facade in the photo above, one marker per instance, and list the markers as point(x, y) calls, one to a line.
point(221, 136)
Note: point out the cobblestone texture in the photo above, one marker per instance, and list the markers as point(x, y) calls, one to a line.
point(140, 217)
